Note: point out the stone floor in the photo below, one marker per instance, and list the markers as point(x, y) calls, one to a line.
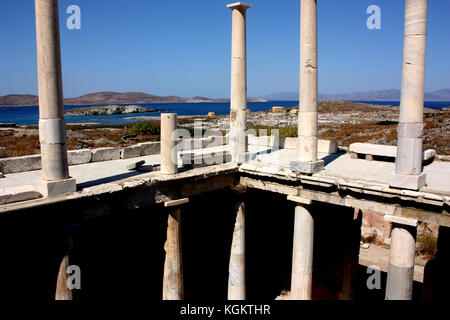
point(337, 167)
point(342, 166)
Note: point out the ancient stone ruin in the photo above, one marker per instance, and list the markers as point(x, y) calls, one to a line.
point(292, 207)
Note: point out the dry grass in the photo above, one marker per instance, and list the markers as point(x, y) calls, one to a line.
point(18, 146)
point(78, 137)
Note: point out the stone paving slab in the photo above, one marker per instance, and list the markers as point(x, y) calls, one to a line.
point(338, 166)
point(342, 166)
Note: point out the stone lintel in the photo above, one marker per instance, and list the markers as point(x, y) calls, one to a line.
point(175, 203)
point(56, 188)
point(239, 5)
point(408, 181)
point(300, 200)
point(402, 220)
point(308, 167)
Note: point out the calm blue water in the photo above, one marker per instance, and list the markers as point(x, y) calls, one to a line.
point(30, 115)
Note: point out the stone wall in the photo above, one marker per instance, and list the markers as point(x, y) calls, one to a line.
point(77, 157)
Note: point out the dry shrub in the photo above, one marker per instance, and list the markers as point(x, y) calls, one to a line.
point(427, 245)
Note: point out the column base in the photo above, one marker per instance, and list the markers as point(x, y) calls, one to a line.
point(309, 167)
point(408, 181)
point(56, 188)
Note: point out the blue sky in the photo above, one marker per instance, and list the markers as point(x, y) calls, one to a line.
point(183, 47)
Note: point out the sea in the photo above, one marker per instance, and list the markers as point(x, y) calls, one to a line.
point(29, 115)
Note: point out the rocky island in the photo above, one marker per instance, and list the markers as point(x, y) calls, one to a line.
point(108, 110)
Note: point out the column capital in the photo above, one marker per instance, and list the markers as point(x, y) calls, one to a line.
point(239, 5)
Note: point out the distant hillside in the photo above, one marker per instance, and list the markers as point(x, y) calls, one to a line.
point(282, 96)
point(99, 98)
point(381, 95)
point(18, 99)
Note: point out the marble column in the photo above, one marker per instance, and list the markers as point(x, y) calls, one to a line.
point(173, 267)
point(169, 157)
point(302, 256)
point(236, 278)
point(408, 164)
point(52, 126)
point(351, 238)
point(308, 101)
point(238, 139)
point(399, 285)
point(63, 292)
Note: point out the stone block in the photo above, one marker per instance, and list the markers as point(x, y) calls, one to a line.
point(1, 175)
point(327, 146)
point(252, 140)
point(402, 220)
point(290, 143)
point(105, 154)
point(275, 142)
point(409, 182)
point(150, 148)
point(307, 167)
point(52, 131)
point(135, 165)
point(175, 203)
point(278, 109)
point(262, 141)
point(217, 141)
point(149, 168)
point(429, 154)
point(77, 157)
point(206, 142)
point(323, 146)
point(384, 151)
point(299, 200)
point(56, 188)
point(17, 194)
point(199, 160)
point(373, 149)
point(131, 152)
point(20, 164)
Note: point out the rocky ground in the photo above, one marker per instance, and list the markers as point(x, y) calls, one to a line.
point(106, 110)
point(346, 122)
point(349, 122)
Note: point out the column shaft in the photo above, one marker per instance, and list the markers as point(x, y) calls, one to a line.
point(400, 277)
point(410, 128)
point(236, 280)
point(62, 290)
point(238, 114)
point(169, 156)
point(302, 257)
point(52, 126)
point(307, 118)
point(173, 266)
point(352, 239)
